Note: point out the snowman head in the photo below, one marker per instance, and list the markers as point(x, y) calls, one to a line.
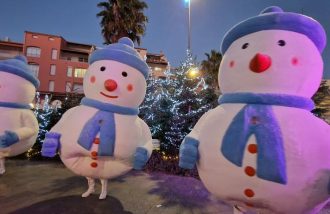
point(117, 75)
point(17, 82)
point(275, 52)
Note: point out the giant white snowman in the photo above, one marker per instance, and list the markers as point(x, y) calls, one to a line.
point(18, 126)
point(261, 149)
point(103, 137)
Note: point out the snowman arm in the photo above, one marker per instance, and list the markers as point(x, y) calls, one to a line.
point(9, 138)
point(144, 150)
point(51, 144)
point(188, 153)
point(29, 126)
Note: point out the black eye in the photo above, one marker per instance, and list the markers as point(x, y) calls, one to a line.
point(281, 42)
point(102, 68)
point(124, 74)
point(245, 45)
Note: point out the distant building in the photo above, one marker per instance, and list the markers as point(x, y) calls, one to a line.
point(61, 65)
point(9, 49)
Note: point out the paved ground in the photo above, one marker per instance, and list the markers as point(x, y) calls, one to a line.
point(41, 187)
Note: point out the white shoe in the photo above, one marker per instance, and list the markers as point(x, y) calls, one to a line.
point(2, 166)
point(103, 195)
point(104, 191)
point(2, 171)
point(88, 192)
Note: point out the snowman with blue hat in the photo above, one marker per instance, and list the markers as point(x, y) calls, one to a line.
point(18, 127)
point(103, 137)
point(262, 150)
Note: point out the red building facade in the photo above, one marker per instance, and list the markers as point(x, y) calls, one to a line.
point(60, 65)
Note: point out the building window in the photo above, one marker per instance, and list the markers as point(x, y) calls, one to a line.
point(52, 70)
point(79, 72)
point(68, 87)
point(35, 69)
point(54, 54)
point(35, 36)
point(78, 88)
point(33, 51)
point(51, 39)
point(51, 85)
point(69, 71)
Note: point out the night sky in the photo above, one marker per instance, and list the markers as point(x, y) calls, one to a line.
point(76, 21)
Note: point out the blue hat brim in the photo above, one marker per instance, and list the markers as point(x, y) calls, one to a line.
point(121, 53)
point(8, 68)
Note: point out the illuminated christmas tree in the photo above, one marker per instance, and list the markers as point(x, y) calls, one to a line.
point(174, 104)
point(190, 98)
point(155, 110)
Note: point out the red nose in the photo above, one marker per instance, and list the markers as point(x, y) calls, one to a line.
point(260, 63)
point(110, 85)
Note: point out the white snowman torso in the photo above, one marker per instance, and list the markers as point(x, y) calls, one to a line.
point(130, 130)
point(24, 123)
point(307, 163)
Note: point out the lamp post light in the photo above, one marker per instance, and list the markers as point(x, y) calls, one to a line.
point(193, 72)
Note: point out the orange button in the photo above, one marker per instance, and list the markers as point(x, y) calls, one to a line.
point(96, 141)
point(94, 164)
point(249, 193)
point(93, 153)
point(253, 148)
point(250, 171)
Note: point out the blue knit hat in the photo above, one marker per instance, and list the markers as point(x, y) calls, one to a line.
point(273, 18)
point(19, 67)
point(123, 52)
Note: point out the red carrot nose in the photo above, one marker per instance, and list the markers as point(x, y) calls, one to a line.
point(260, 63)
point(110, 85)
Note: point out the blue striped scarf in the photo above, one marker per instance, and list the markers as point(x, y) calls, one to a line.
point(271, 163)
point(102, 122)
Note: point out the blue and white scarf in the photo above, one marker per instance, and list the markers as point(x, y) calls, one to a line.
point(104, 122)
point(271, 164)
point(15, 105)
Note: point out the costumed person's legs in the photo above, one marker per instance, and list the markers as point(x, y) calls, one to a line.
point(104, 190)
point(2, 166)
point(91, 187)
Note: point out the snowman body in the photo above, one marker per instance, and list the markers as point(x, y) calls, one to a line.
point(117, 84)
point(306, 161)
point(269, 62)
point(131, 132)
point(21, 121)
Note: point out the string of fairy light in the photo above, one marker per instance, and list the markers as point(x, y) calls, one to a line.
point(179, 88)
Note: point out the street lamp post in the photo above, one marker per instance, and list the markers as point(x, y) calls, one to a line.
point(189, 25)
point(193, 71)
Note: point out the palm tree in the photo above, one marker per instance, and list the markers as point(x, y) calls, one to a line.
point(121, 18)
point(210, 67)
